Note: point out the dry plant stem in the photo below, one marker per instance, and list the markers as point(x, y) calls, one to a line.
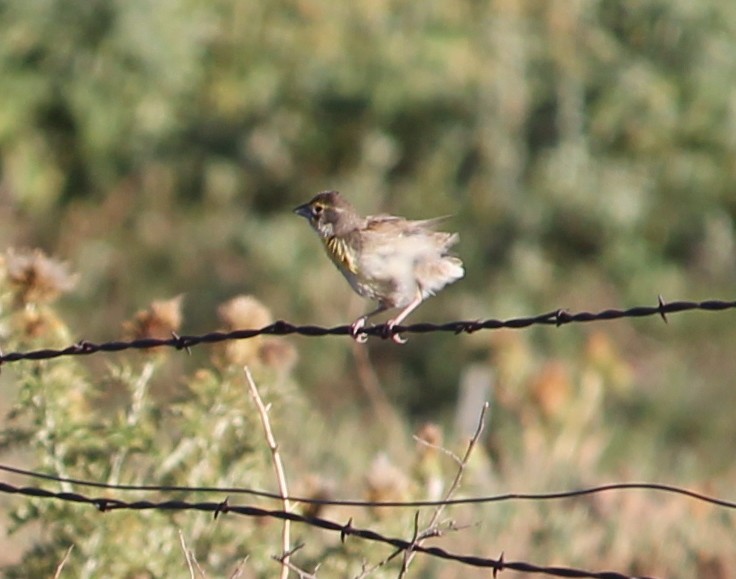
point(278, 467)
point(429, 531)
point(191, 559)
point(369, 570)
point(463, 463)
point(187, 554)
point(301, 573)
point(409, 555)
point(438, 448)
point(60, 566)
point(240, 569)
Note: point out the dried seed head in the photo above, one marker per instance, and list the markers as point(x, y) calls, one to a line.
point(244, 312)
point(162, 319)
point(35, 278)
point(241, 313)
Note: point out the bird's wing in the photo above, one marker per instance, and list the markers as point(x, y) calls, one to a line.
point(391, 223)
point(390, 230)
point(431, 223)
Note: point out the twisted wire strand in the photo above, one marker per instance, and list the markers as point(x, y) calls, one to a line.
point(282, 328)
point(106, 504)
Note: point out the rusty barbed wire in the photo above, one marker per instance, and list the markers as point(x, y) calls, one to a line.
point(107, 504)
point(557, 318)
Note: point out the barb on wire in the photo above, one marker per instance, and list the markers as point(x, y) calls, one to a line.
point(559, 317)
point(658, 487)
point(106, 504)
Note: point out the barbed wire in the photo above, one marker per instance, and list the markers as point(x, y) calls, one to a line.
point(106, 504)
point(280, 328)
point(557, 318)
point(506, 497)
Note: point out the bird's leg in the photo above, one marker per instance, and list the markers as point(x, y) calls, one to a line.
point(358, 324)
point(414, 304)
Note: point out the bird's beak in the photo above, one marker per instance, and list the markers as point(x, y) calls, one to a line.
point(304, 210)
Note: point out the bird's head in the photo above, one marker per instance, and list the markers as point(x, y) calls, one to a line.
point(330, 214)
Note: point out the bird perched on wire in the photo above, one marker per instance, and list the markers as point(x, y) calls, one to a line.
point(394, 261)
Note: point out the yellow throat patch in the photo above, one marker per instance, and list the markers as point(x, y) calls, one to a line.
point(341, 254)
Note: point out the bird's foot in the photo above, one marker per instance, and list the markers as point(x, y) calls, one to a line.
point(396, 338)
point(355, 330)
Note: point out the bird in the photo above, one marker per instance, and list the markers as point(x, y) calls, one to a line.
point(393, 261)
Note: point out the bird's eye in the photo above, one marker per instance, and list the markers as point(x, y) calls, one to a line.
point(317, 210)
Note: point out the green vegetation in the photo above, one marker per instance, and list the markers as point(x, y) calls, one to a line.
point(585, 151)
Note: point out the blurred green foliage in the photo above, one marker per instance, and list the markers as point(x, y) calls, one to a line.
point(161, 146)
point(585, 150)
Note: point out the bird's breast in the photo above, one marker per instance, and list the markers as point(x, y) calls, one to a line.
point(342, 254)
point(347, 259)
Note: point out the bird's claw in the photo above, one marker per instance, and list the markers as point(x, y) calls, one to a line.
point(355, 332)
point(361, 337)
point(396, 338)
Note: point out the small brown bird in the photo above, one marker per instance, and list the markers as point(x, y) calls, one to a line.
point(394, 261)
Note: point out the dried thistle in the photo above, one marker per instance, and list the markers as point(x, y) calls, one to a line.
point(35, 278)
point(34, 323)
point(279, 354)
point(162, 319)
point(316, 488)
point(385, 482)
point(242, 312)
